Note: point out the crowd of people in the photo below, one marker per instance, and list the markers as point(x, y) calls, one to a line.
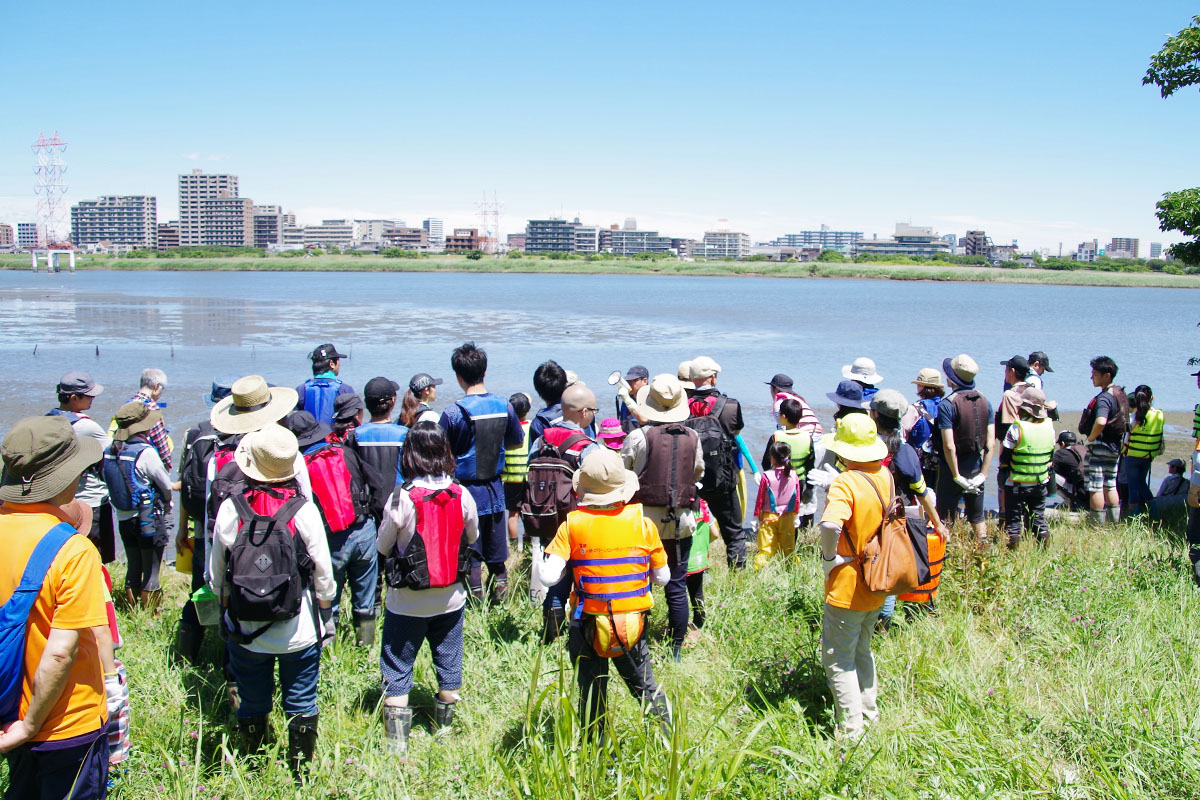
point(286, 497)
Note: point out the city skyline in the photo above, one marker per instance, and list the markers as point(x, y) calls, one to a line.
point(1038, 129)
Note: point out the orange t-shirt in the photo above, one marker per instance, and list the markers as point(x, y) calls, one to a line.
point(852, 505)
point(72, 598)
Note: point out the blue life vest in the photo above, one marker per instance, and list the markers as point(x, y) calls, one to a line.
point(319, 394)
point(488, 417)
point(126, 489)
point(380, 437)
point(71, 416)
point(922, 430)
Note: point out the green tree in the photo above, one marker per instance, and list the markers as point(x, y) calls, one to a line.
point(1174, 67)
point(831, 256)
point(475, 255)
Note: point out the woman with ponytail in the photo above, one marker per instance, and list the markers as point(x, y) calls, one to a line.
point(1143, 442)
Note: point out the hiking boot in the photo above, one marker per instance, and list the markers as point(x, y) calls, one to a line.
point(443, 714)
point(188, 640)
point(254, 732)
point(364, 630)
point(302, 742)
point(397, 722)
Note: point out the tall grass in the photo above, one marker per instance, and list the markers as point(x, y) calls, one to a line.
point(1070, 672)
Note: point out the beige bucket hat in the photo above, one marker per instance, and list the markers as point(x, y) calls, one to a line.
point(268, 455)
point(252, 405)
point(602, 479)
point(930, 377)
point(663, 400)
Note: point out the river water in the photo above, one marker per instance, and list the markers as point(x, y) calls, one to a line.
point(196, 325)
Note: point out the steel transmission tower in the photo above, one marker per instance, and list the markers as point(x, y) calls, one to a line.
point(489, 222)
point(51, 186)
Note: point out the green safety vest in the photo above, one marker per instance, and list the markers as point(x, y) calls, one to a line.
point(801, 443)
point(1146, 439)
point(516, 460)
point(1196, 422)
point(1031, 458)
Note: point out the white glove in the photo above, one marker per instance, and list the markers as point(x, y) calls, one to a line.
point(822, 476)
point(623, 393)
point(978, 481)
point(827, 565)
point(964, 483)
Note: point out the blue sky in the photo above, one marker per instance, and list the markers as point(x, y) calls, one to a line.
point(1026, 119)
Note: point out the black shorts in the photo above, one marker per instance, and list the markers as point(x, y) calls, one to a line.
point(514, 493)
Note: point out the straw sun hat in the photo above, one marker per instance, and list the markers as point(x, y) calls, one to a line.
point(268, 455)
point(663, 400)
point(252, 405)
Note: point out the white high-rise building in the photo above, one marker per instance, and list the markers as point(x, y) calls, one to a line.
point(1156, 249)
point(129, 220)
point(211, 213)
point(437, 237)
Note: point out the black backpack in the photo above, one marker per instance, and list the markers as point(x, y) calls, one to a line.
point(268, 569)
point(198, 448)
point(549, 494)
point(720, 472)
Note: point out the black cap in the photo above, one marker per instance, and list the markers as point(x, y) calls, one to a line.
point(326, 352)
point(1038, 355)
point(347, 405)
point(1067, 437)
point(780, 381)
point(1018, 363)
point(381, 387)
point(308, 431)
point(422, 381)
point(637, 373)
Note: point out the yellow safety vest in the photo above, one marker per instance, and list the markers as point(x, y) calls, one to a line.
point(1031, 458)
point(516, 460)
point(1146, 438)
point(800, 440)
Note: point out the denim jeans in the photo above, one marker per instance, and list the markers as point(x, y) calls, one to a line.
point(255, 673)
point(402, 640)
point(1137, 475)
point(678, 551)
point(355, 558)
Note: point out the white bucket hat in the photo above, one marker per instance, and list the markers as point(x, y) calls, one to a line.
point(863, 371)
point(252, 405)
point(268, 455)
point(663, 400)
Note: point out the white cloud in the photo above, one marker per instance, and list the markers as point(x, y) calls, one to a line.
point(191, 156)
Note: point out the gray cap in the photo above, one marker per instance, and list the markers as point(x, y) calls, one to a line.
point(889, 403)
point(79, 382)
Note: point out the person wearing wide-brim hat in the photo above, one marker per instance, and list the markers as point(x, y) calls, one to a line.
point(140, 490)
point(964, 458)
point(1030, 441)
point(668, 459)
point(268, 458)
point(862, 371)
point(853, 512)
point(252, 405)
point(849, 399)
point(919, 424)
point(611, 594)
point(43, 459)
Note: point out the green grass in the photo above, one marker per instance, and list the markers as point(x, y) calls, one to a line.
point(1066, 673)
point(873, 271)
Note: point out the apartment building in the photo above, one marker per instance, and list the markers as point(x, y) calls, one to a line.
point(464, 240)
point(823, 239)
point(121, 220)
point(29, 236)
point(168, 236)
point(1122, 248)
point(726, 244)
point(908, 240)
point(211, 213)
point(8, 237)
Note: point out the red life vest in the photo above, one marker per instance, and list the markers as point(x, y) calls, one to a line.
point(555, 435)
point(438, 555)
point(222, 456)
point(331, 486)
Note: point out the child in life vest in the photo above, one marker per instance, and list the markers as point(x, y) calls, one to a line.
point(516, 471)
point(706, 533)
point(775, 508)
point(427, 527)
point(615, 554)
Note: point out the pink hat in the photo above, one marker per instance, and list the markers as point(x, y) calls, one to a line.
point(610, 428)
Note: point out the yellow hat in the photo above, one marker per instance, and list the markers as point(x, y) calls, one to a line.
point(857, 439)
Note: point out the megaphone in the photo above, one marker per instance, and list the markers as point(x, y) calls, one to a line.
point(614, 377)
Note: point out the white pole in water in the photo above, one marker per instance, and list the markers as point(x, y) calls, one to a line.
point(71, 258)
point(33, 255)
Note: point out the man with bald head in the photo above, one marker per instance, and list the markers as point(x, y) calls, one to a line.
point(568, 440)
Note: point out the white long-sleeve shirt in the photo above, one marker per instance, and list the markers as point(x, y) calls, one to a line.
point(396, 532)
point(299, 632)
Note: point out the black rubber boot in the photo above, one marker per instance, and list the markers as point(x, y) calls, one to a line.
point(499, 590)
point(397, 723)
point(188, 641)
point(364, 629)
point(254, 732)
point(554, 620)
point(443, 714)
point(302, 742)
point(661, 709)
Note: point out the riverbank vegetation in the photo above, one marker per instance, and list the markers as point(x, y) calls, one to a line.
point(1067, 672)
point(909, 270)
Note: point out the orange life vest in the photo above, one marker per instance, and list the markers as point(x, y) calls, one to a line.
point(610, 560)
point(927, 592)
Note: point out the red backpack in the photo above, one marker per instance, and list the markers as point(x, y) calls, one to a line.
point(438, 554)
point(332, 487)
